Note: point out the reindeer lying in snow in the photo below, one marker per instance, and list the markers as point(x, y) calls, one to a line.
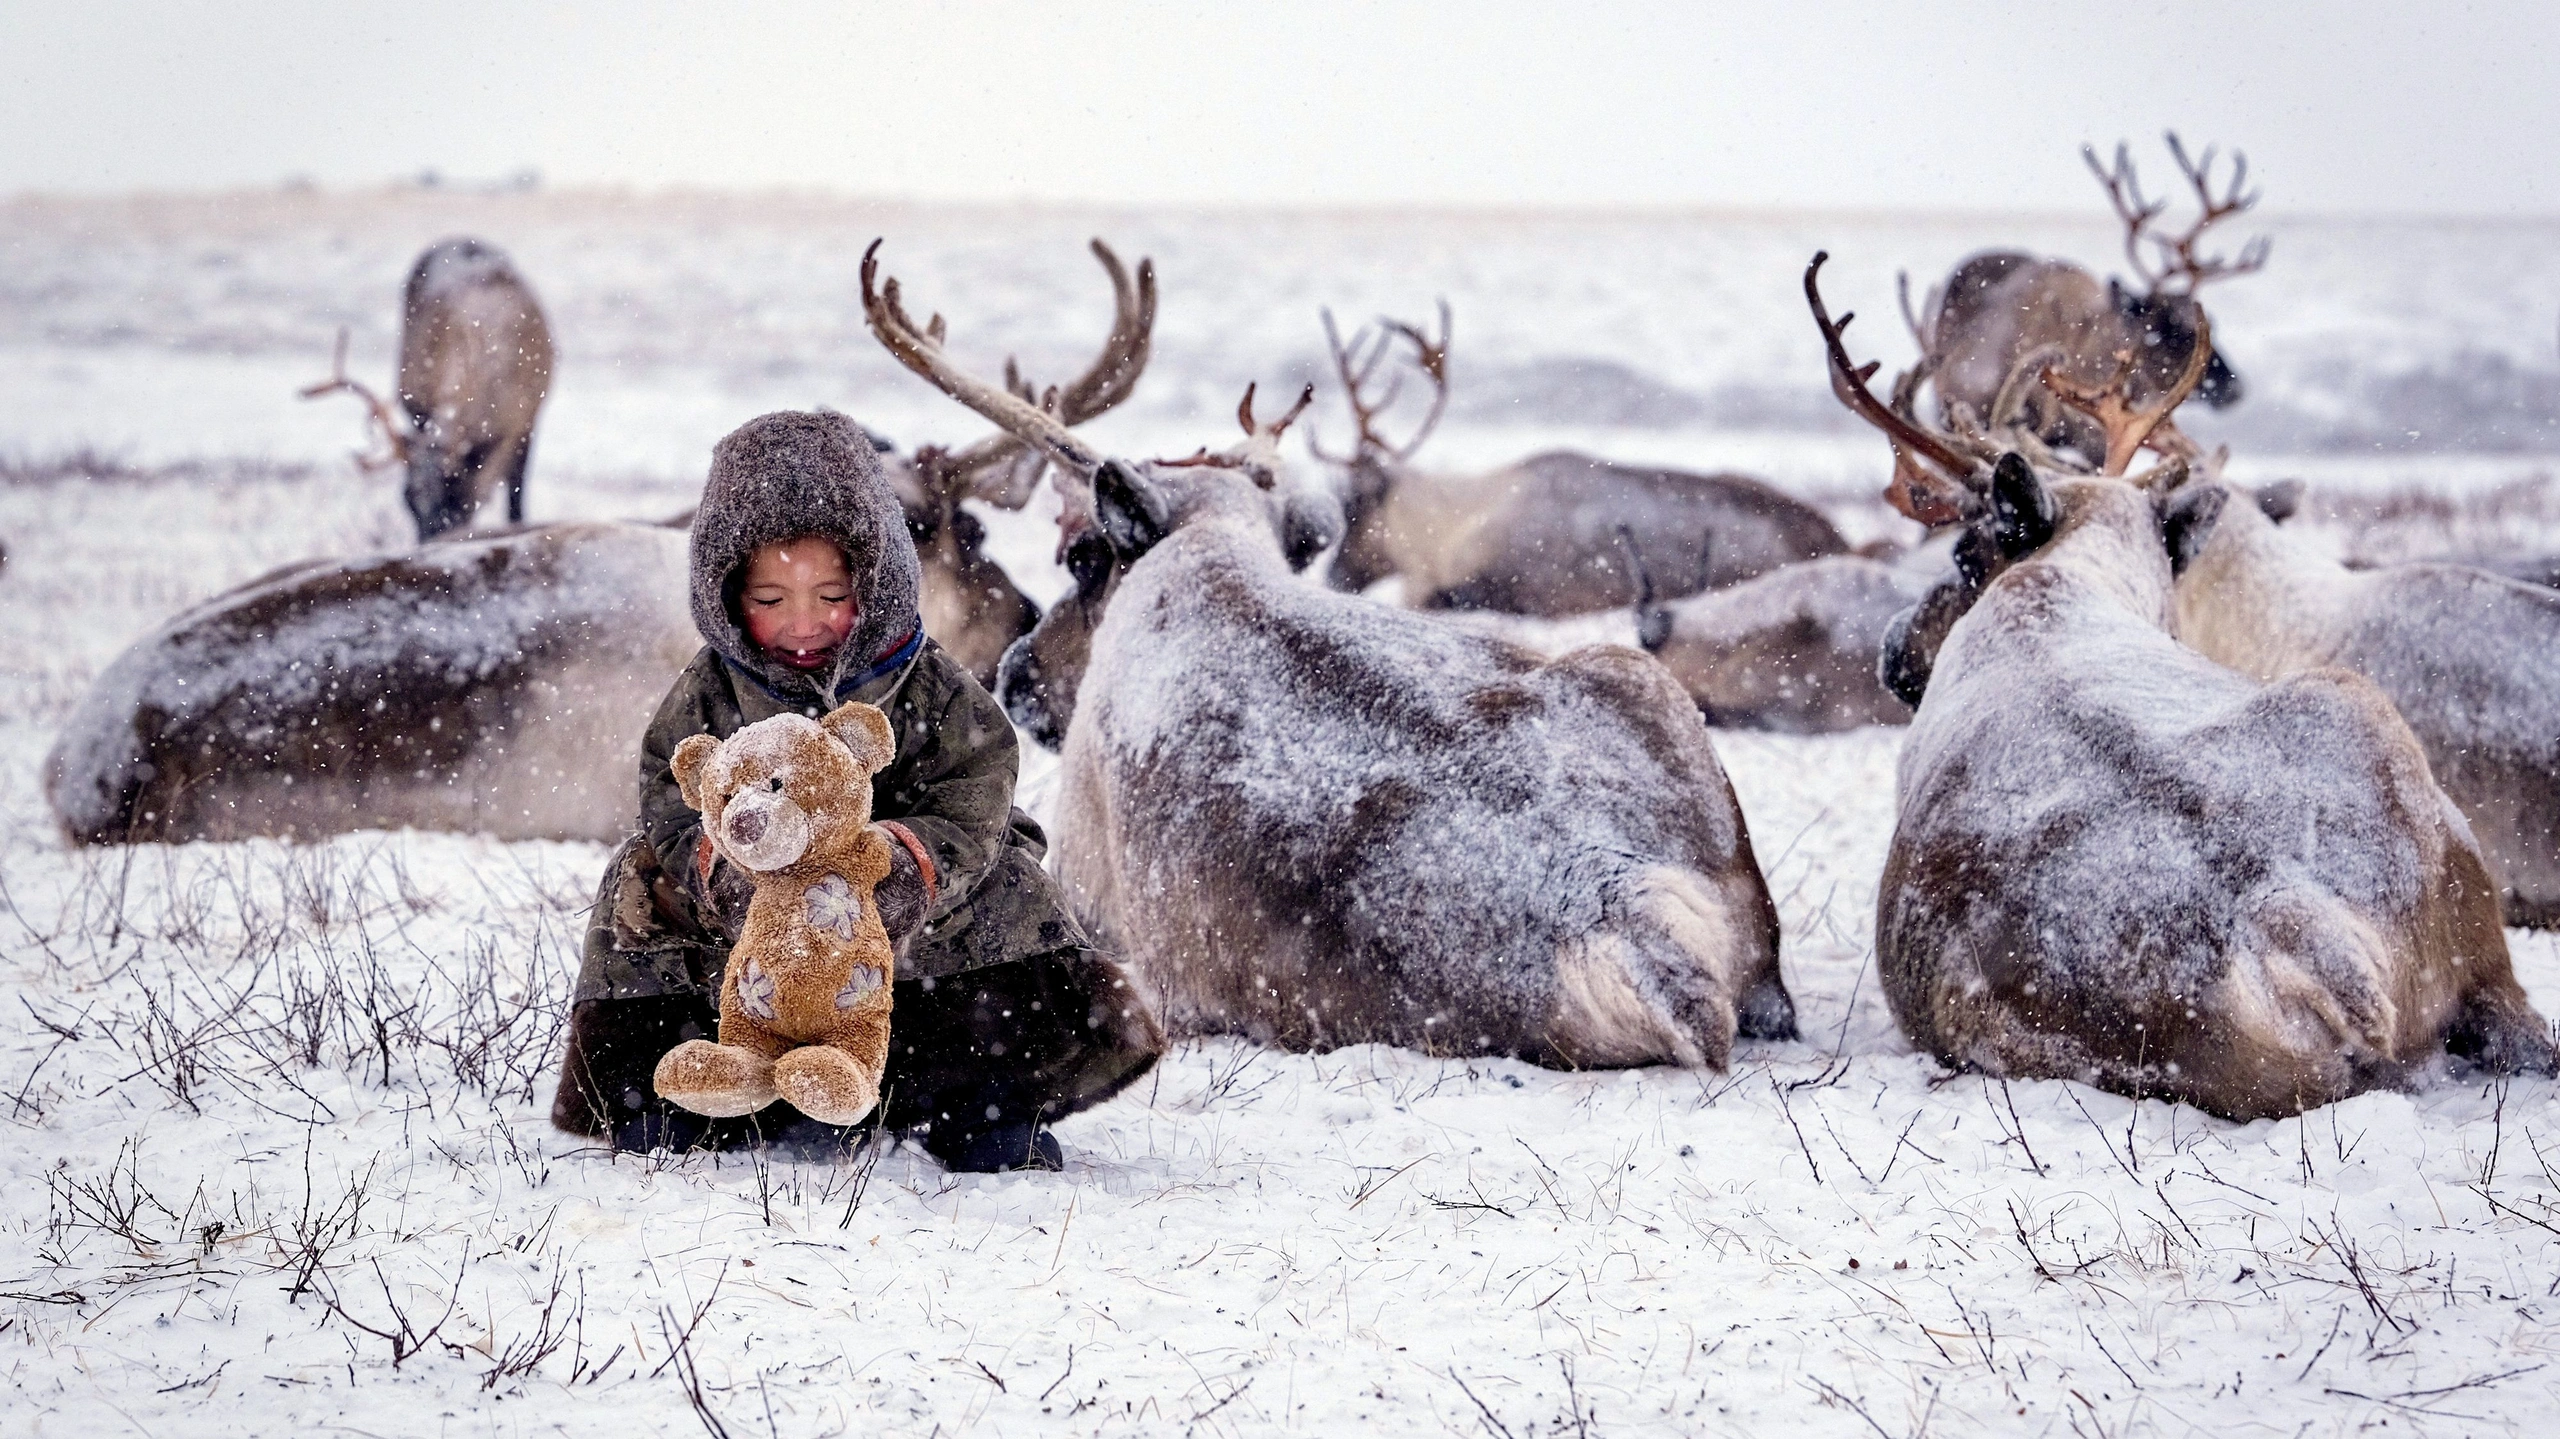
point(1539, 537)
point(1794, 650)
point(1320, 822)
point(475, 364)
point(2118, 862)
point(2471, 660)
point(498, 685)
point(2001, 307)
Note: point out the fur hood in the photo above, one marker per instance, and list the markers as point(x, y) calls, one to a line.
point(804, 473)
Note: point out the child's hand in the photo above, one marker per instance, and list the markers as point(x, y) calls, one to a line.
point(906, 895)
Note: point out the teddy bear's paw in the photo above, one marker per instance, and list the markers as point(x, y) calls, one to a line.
point(719, 1080)
point(825, 1084)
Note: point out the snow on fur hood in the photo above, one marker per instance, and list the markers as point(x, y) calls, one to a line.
point(795, 473)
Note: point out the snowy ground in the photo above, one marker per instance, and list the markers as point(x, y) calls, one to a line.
point(276, 1153)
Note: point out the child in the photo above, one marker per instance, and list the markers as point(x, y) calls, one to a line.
point(1006, 1016)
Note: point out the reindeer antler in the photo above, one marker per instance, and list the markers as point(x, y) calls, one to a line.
point(389, 423)
point(921, 351)
point(2129, 427)
point(1357, 363)
point(1931, 496)
point(2179, 262)
point(1105, 383)
point(1270, 433)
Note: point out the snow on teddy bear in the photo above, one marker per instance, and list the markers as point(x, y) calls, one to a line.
point(804, 1005)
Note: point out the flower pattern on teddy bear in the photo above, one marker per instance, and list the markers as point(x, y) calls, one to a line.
point(863, 981)
point(755, 991)
point(833, 907)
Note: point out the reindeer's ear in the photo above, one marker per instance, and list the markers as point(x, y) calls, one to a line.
point(865, 731)
point(2021, 508)
point(689, 761)
point(1127, 511)
point(2123, 300)
point(2187, 516)
point(2280, 500)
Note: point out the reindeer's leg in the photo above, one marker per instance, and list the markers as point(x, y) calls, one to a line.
point(519, 458)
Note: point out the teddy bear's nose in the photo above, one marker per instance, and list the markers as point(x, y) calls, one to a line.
point(747, 828)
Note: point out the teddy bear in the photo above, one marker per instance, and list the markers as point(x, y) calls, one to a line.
point(804, 1004)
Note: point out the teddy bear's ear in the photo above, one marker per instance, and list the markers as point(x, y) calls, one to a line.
point(865, 731)
point(689, 761)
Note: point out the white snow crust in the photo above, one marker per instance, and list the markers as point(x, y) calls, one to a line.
point(1248, 1242)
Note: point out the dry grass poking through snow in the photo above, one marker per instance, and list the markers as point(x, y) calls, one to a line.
point(277, 1155)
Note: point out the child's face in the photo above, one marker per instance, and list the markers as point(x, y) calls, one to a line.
point(798, 601)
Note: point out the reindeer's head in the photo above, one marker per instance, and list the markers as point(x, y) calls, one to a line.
point(1983, 479)
point(1369, 473)
point(1134, 507)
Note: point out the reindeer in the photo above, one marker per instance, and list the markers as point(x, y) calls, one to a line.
point(1319, 822)
point(1792, 651)
point(2000, 307)
point(498, 684)
point(1038, 677)
point(2118, 862)
point(971, 606)
point(475, 364)
point(1538, 537)
point(2464, 654)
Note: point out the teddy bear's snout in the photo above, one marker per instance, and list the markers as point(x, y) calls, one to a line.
point(765, 830)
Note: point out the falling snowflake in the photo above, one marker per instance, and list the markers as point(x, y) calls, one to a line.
point(833, 907)
point(755, 991)
point(862, 981)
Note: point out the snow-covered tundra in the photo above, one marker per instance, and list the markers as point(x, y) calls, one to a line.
point(2471, 659)
point(1543, 536)
point(475, 364)
point(1319, 821)
point(2116, 861)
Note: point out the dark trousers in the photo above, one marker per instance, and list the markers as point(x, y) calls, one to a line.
point(986, 1050)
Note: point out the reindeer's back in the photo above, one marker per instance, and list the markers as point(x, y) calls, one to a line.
point(1339, 821)
point(2472, 661)
point(2103, 836)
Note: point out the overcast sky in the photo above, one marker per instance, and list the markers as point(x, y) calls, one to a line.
point(2360, 106)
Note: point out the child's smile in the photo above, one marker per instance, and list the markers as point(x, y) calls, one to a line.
point(798, 602)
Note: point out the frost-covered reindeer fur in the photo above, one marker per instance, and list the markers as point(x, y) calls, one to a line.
point(2471, 660)
point(2119, 862)
point(1793, 651)
point(1999, 309)
point(1319, 822)
point(498, 685)
point(475, 364)
point(1540, 537)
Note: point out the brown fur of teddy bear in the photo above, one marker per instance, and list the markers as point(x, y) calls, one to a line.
point(804, 1005)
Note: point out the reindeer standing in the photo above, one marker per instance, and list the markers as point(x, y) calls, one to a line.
point(1539, 537)
point(1999, 308)
point(1318, 821)
point(2118, 862)
point(475, 365)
